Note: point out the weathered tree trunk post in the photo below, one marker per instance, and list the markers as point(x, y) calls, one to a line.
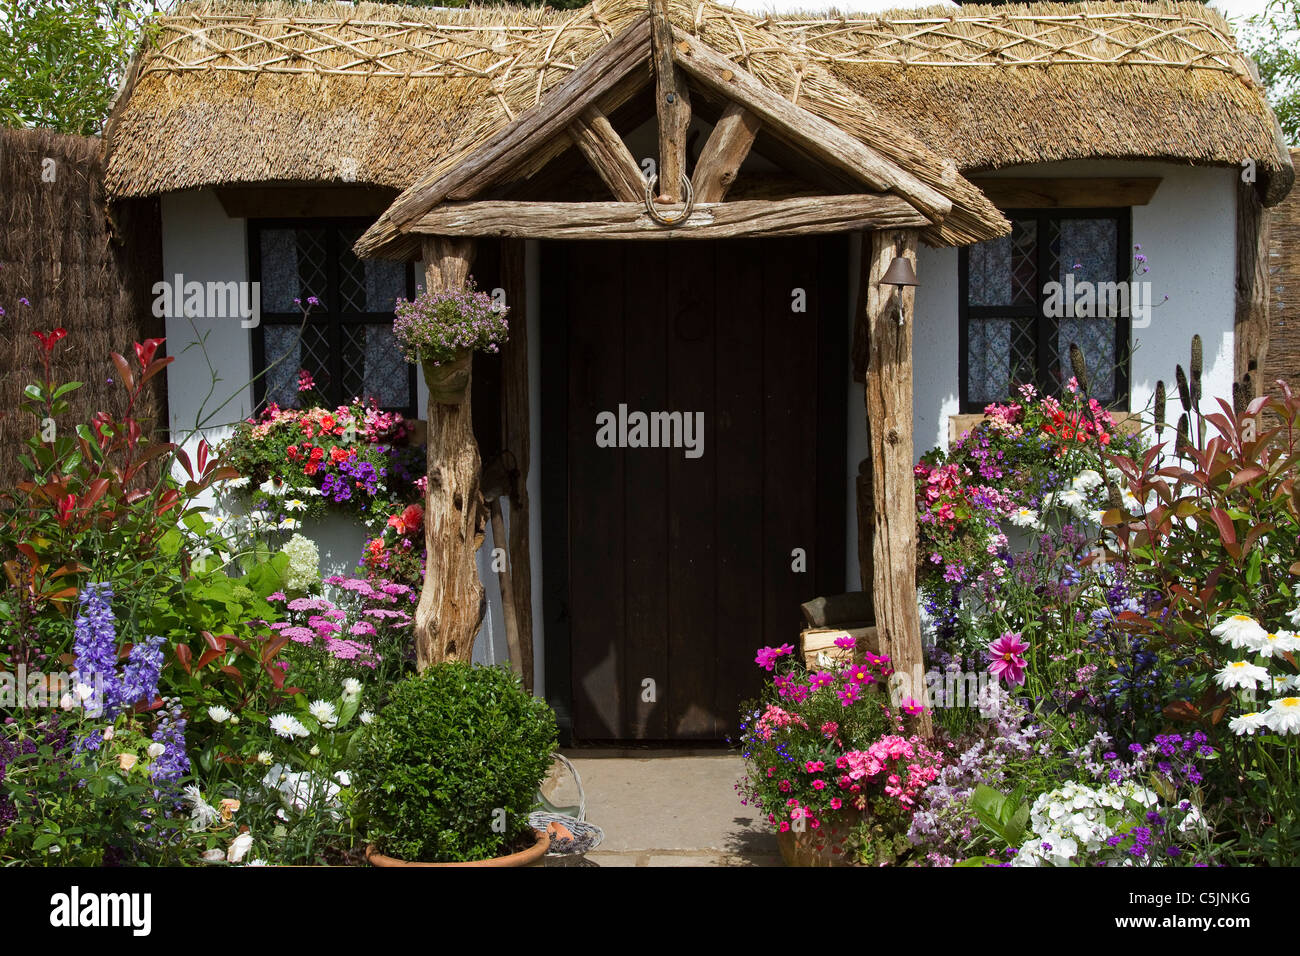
point(888, 393)
point(451, 601)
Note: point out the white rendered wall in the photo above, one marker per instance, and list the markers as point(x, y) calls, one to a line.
point(203, 244)
point(1187, 233)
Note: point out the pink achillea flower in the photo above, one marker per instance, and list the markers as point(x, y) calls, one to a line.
point(362, 629)
point(1005, 655)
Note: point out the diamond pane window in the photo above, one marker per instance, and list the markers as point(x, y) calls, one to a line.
point(1019, 315)
point(347, 341)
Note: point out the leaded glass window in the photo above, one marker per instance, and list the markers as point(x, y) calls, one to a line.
point(347, 343)
point(1017, 327)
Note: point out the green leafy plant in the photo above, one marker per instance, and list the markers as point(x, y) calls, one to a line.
point(450, 769)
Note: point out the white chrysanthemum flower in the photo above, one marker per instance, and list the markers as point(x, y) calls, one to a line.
point(324, 711)
point(1283, 715)
point(83, 691)
point(1239, 631)
point(1241, 674)
point(295, 504)
point(351, 687)
point(1275, 642)
point(1086, 480)
point(1246, 723)
point(239, 848)
point(366, 717)
point(303, 572)
point(218, 713)
point(1024, 518)
point(243, 481)
point(288, 726)
point(212, 856)
point(311, 491)
point(288, 524)
point(1130, 502)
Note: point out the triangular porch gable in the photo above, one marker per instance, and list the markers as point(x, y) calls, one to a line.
point(466, 200)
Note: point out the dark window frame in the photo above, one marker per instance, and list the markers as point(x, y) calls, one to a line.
point(329, 313)
point(1045, 328)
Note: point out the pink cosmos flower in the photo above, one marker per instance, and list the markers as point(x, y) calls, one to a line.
point(1006, 661)
point(911, 706)
point(767, 656)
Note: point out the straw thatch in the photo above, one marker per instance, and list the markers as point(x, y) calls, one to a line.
point(1009, 85)
point(239, 93)
point(1282, 360)
point(60, 252)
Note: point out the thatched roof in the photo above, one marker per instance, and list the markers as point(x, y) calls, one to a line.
point(253, 93)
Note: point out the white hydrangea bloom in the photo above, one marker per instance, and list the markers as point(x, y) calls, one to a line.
point(303, 573)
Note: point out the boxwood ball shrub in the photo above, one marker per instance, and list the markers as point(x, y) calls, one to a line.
point(450, 769)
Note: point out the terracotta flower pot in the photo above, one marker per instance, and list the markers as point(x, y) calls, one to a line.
point(449, 382)
point(533, 856)
point(822, 846)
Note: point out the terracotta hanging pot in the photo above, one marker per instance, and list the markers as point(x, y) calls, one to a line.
point(449, 381)
point(823, 846)
point(535, 855)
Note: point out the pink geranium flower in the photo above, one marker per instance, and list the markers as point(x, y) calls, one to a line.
point(1006, 661)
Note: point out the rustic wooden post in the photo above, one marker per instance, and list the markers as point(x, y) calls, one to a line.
point(515, 426)
point(672, 105)
point(888, 392)
point(451, 602)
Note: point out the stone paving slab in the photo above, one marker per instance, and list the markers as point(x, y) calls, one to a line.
point(669, 808)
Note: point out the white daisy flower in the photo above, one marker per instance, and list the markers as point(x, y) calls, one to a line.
point(324, 711)
point(1239, 631)
point(289, 524)
point(218, 713)
point(1283, 715)
point(351, 687)
point(1246, 723)
point(296, 504)
point(1024, 518)
point(258, 862)
point(1294, 617)
point(1276, 642)
point(309, 490)
point(243, 481)
point(1130, 502)
point(288, 726)
point(1241, 674)
point(265, 757)
point(1086, 480)
point(273, 487)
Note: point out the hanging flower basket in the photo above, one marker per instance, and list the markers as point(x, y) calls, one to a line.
point(449, 381)
point(442, 330)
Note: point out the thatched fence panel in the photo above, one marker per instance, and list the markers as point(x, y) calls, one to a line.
point(1283, 357)
point(82, 267)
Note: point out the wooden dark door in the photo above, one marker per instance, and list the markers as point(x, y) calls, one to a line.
point(678, 562)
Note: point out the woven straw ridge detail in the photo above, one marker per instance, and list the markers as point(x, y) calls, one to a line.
point(1111, 38)
point(410, 49)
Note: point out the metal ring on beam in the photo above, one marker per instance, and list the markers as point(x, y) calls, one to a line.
point(659, 217)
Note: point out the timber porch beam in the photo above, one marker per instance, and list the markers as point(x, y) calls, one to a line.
point(608, 155)
point(819, 138)
point(807, 216)
point(724, 153)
